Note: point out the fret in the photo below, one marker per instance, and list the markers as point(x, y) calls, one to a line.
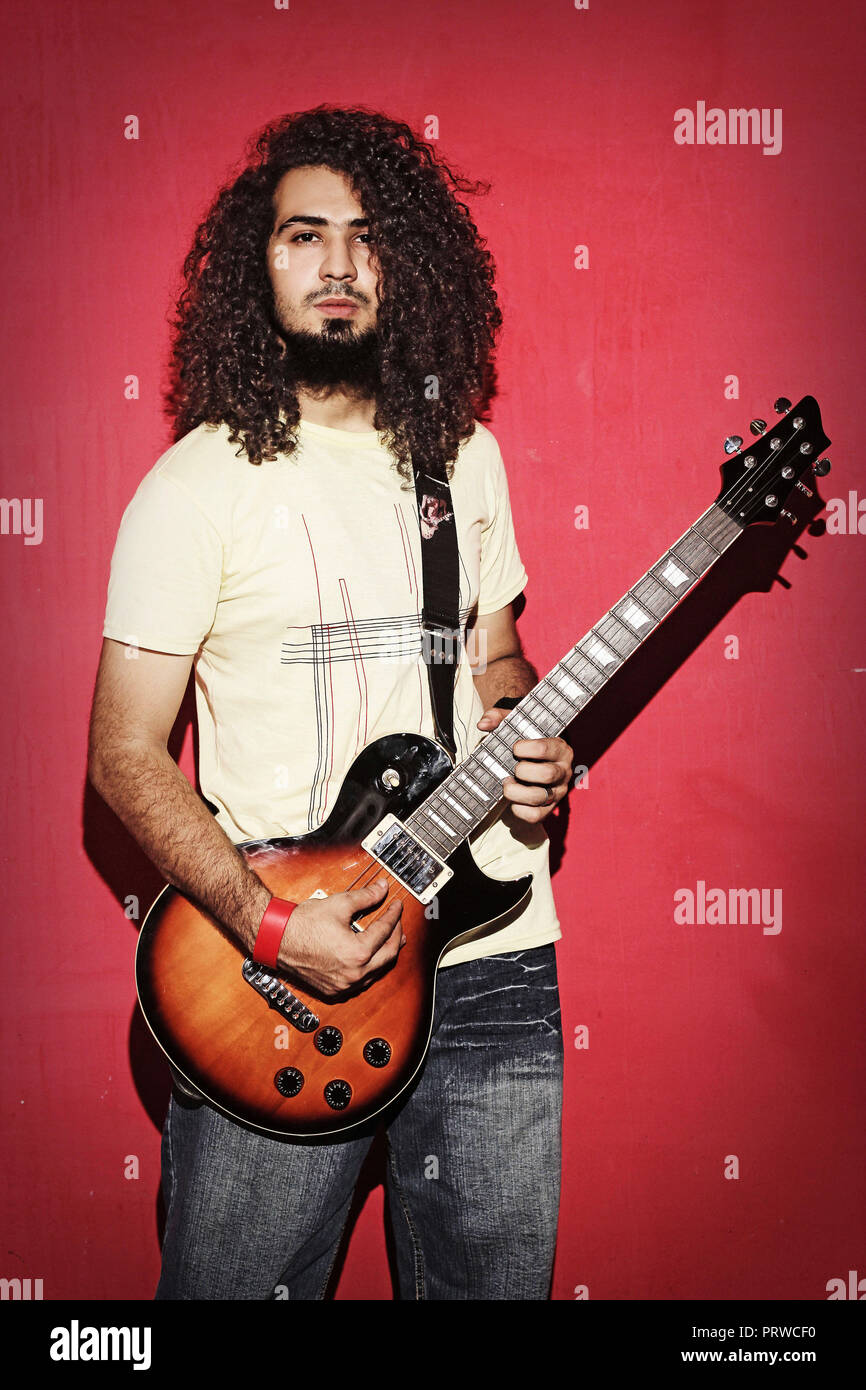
point(458, 805)
point(692, 550)
point(496, 748)
point(492, 764)
point(463, 779)
point(717, 528)
point(524, 725)
point(550, 720)
point(563, 680)
point(457, 795)
point(599, 653)
point(675, 578)
point(653, 596)
point(584, 671)
point(481, 774)
point(421, 824)
point(634, 616)
point(617, 635)
point(438, 810)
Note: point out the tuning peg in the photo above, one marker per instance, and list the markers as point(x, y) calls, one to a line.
point(758, 426)
point(781, 405)
point(789, 516)
point(822, 467)
point(733, 443)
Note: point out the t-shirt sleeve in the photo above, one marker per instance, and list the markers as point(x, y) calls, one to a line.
point(502, 576)
point(166, 570)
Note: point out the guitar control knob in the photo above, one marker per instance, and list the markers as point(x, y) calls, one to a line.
point(377, 1052)
point(338, 1094)
point(329, 1040)
point(822, 467)
point(289, 1081)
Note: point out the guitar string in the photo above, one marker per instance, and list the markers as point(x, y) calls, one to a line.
point(376, 870)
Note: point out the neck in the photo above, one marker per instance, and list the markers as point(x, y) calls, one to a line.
point(338, 409)
point(474, 790)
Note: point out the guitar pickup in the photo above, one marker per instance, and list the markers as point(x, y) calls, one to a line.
point(407, 858)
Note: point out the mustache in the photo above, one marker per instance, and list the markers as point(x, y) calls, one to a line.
point(341, 294)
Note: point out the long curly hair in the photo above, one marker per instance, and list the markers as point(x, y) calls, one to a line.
point(437, 335)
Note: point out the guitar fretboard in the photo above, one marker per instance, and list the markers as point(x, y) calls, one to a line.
point(474, 789)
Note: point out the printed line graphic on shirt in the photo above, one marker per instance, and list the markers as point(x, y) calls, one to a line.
point(359, 640)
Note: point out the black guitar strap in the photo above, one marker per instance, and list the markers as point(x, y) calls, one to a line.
point(440, 587)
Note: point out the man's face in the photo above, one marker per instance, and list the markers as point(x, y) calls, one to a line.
point(319, 253)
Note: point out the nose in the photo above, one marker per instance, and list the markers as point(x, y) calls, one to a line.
point(337, 263)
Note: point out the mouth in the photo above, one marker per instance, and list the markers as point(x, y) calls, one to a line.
point(341, 308)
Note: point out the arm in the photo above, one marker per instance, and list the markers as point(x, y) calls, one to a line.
point(499, 668)
point(135, 705)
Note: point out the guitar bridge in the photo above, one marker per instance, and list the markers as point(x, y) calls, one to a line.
point(407, 858)
point(278, 996)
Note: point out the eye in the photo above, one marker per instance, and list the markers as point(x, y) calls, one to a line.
point(301, 235)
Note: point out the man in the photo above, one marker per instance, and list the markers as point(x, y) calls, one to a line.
point(337, 323)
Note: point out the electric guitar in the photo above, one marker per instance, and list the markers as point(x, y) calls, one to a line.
point(265, 1049)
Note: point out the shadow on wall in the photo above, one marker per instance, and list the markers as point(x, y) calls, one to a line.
point(751, 565)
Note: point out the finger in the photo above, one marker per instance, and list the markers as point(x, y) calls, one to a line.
point(362, 900)
point(384, 930)
point(513, 786)
point(369, 893)
point(386, 954)
point(541, 749)
point(491, 717)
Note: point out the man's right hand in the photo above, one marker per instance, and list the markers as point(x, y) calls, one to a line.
point(320, 948)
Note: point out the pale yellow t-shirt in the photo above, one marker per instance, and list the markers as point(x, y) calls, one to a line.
point(295, 583)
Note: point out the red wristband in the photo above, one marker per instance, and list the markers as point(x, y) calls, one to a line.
point(271, 930)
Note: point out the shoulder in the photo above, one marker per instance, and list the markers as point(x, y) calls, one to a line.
point(479, 461)
point(202, 472)
point(203, 459)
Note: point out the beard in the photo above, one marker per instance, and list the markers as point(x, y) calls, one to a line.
point(339, 358)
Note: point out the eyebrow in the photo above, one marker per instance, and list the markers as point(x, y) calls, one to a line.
point(321, 221)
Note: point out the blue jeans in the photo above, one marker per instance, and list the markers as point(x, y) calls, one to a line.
point(473, 1163)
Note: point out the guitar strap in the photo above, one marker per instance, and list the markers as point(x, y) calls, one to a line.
point(440, 588)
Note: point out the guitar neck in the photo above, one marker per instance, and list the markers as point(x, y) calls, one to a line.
point(474, 789)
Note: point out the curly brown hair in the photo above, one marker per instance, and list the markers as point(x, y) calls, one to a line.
point(228, 364)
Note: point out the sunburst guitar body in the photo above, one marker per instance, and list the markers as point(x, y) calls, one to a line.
point(260, 1046)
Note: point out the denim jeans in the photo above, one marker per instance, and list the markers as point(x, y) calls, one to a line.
point(473, 1171)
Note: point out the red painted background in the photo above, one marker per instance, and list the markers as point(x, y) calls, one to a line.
point(704, 263)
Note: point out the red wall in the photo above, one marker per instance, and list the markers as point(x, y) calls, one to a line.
point(705, 262)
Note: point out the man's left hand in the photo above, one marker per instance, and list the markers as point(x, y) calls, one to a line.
point(541, 774)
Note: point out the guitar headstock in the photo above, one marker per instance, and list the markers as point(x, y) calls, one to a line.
point(758, 478)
